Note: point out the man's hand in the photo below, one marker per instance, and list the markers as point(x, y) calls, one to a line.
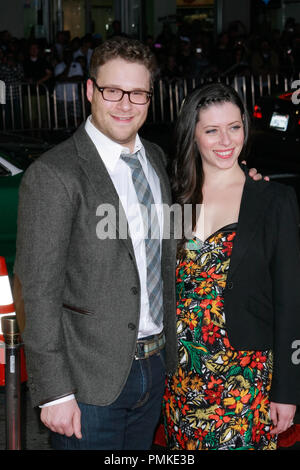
point(63, 418)
point(254, 174)
point(282, 416)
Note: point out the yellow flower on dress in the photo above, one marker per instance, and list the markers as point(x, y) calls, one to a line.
point(180, 382)
point(216, 306)
point(228, 357)
point(191, 445)
point(216, 238)
point(237, 399)
point(240, 425)
point(190, 267)
point(187, 302)
point(204, 287)
point(191, 320)
point(196, 383)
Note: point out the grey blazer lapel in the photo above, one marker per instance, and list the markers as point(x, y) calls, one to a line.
point(93, 166)
point(251, 210)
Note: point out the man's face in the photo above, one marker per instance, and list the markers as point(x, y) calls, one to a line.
point(121, 120)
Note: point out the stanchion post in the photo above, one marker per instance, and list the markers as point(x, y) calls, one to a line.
point(12, 382)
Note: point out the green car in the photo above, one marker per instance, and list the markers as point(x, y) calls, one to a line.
point(16, 154)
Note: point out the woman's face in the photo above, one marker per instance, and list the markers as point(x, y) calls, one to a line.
point(219, 135)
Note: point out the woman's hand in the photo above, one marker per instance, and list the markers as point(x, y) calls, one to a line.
point(282, 416)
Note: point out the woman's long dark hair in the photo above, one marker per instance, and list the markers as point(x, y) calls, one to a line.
point(187, 172)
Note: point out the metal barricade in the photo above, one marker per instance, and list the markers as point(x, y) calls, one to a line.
point(12, 382)
point(27, 107)
point(30, 107)
point(169, 94)
point(69, 105)
point(35, 107)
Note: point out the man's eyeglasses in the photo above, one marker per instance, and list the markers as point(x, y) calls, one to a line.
point(116, 94)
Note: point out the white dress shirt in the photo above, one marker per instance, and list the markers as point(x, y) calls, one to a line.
point(120, 173)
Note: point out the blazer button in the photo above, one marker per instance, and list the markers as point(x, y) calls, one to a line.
point(131, 326)
point(230, 285)
point(134, 290)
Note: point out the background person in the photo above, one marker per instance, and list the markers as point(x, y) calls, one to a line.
point(38, 73)
point(12, 74)
point(68, 73)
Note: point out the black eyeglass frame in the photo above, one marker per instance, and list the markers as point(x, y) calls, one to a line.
point(124, 92)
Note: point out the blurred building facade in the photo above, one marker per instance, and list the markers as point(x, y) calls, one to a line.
point(138, 18)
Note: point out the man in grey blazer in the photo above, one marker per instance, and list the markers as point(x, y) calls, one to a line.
point(96, 355)
point(100, 330)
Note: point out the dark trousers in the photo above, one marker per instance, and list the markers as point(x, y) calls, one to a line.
point(129, 423)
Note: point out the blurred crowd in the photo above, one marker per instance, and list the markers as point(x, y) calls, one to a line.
point(194, 53)
point(188, 53)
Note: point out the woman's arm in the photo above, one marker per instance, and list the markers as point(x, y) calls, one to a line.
point(285, 272)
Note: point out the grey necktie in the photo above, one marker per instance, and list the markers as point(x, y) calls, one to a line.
point(152, 238)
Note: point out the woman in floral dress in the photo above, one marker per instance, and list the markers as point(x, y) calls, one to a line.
point(220, 397)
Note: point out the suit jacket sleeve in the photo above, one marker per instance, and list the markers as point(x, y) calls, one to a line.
point(285, 268)
point(44, 227)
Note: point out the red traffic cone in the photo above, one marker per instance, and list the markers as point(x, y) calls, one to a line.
point(7, 307)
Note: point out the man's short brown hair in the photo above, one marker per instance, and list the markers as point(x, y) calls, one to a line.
point(127, 49)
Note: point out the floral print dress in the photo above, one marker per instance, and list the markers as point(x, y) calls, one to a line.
point(218, 397)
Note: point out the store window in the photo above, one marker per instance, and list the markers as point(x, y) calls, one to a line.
point(101, 18)
point(196, 13)
point(266, 15)
point(88, 16)
point(74, 17)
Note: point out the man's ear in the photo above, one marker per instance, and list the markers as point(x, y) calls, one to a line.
point(89, 90)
